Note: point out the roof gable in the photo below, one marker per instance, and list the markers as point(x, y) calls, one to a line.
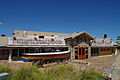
point(76, 34)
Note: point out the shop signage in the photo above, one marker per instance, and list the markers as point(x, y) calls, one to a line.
point(101, 43)
point(33, 41)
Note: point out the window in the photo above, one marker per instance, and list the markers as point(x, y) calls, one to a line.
point(107, 49)
point(32, 50)
point(35, 39)
point(27, 50)
point(76, 51)
point(52, 35)
point(52, 39)
point(83, 50)
point(14, 38)
point(35, 34)
point(86, 50)
point(101, 49)
point(79, 51)
point(104, 49)
point(41, 36)
point(95, 51)
point(43, 50)
point(85, 39)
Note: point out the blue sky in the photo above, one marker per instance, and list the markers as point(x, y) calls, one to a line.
point(97, 17)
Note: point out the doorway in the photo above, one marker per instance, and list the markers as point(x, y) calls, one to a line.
point(81, 53)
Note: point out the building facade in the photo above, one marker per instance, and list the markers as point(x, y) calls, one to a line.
point(103, 46)
point(31, 42)
point(81, 44)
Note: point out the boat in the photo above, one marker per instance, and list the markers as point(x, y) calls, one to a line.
point(46, 57)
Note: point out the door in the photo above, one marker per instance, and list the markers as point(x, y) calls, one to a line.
point(81, 52)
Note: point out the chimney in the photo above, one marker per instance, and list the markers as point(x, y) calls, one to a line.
point(3, 35)
point(105, 35)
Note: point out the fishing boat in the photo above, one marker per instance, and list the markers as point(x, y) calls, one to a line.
point(47, 57)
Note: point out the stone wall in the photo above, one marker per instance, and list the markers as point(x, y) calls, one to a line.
point(3, 41)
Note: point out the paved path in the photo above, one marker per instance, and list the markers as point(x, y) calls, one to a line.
point(115, 70)
point(114, 74)
point(117, 66)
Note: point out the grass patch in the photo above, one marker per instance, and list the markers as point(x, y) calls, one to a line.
point(59, 72)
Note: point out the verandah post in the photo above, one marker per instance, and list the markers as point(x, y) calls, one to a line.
point(10, 55)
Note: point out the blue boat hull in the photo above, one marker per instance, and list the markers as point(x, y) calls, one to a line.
point(46, 60)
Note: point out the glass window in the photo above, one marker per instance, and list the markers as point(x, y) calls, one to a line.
point(79, 51)
point(41, 36)
point(27, 50)
point(97, 50)
point(83, 50)
point(101, 49)
point(86, 50)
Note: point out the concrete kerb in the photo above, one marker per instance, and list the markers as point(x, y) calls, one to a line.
point(113, 74)
point(112, 71)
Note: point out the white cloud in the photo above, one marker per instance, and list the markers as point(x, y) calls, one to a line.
point(0, 22)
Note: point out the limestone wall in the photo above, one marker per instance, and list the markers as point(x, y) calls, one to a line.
point(3, 41)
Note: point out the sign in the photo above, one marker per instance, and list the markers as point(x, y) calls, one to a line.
point(35, 41)
point(101, 43)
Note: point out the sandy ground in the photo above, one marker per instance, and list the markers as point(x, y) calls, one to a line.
point(102, 62)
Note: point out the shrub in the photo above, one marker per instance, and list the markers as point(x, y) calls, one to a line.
point(59, 72)
point(24, 73)
point(4, 68)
